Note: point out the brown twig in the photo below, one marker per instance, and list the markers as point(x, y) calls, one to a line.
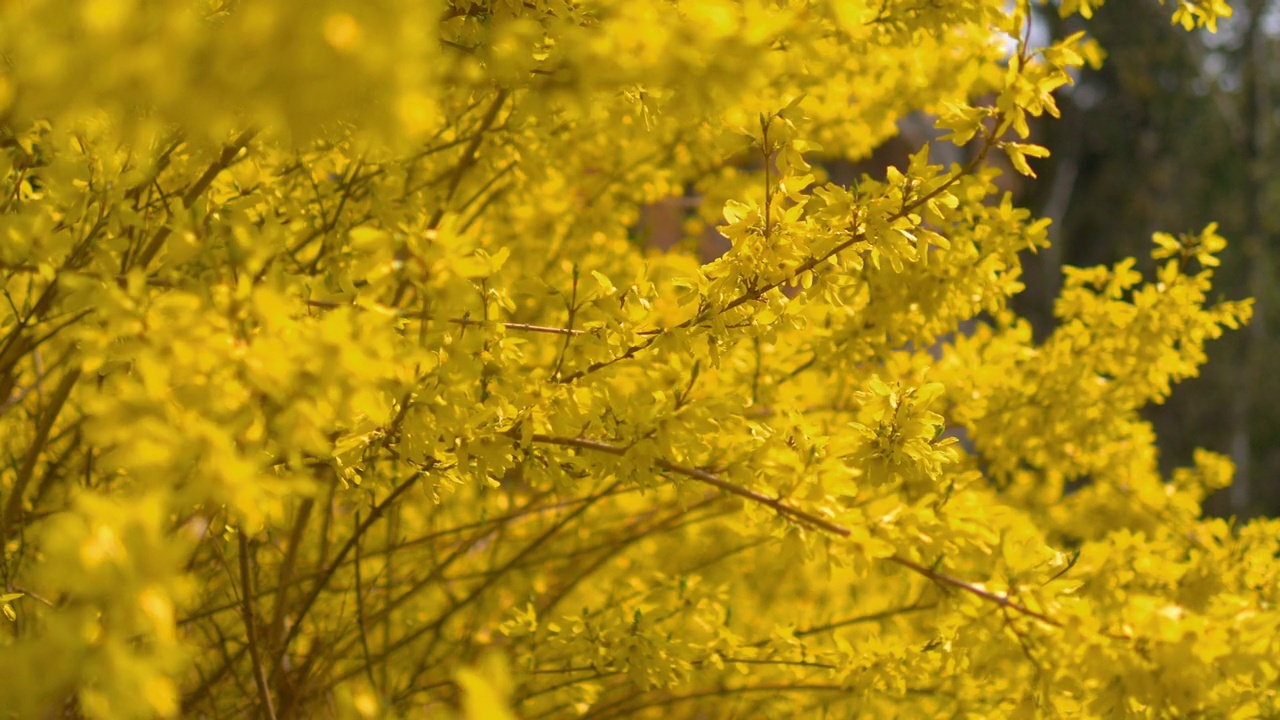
point(804, 517)
point(13, 504)
point(708, 478)
point(466, 322)
point(255, 655)
point(1000, 599)
point(193, 193)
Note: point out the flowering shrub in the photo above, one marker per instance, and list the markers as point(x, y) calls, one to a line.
point(335, 383)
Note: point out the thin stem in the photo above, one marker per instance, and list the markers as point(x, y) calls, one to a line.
point(711, 479)
point(360, 530)
point(13, 504)
point(417, 314)
point(251, 635)
point(469, 154)
point(1000, 599)
point(855, 620)
point(573, 311)
point(803, 517)
point(360, 615)
point(287, 567)
point(193, 193)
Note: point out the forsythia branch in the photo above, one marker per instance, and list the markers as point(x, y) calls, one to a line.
point(712, 479)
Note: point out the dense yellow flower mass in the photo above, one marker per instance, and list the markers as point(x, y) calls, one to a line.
point(337, 378)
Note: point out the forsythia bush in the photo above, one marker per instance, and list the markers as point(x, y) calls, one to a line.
point(337, 381)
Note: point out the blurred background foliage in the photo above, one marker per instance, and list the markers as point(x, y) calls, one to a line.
point(1174, 131)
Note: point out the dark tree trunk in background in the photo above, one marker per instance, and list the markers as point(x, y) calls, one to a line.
point(1257, 76)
